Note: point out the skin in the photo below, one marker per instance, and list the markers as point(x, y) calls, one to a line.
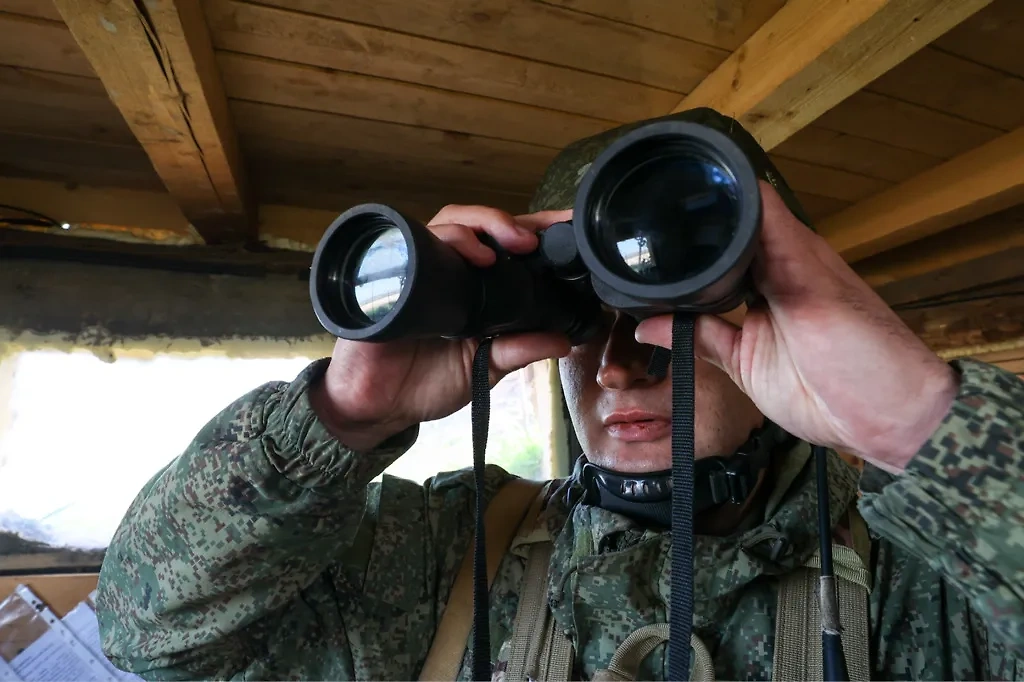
point(822, 356)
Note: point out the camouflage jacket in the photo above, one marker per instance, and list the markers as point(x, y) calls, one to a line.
point(266, 551)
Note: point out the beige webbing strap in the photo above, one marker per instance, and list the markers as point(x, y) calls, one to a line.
point(626, 661)
point(527, 630)
point(501, 520)
point(798, 618)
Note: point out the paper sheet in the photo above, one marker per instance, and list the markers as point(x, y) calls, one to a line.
point(7, 673)
point(82, 622)
point(49, 659)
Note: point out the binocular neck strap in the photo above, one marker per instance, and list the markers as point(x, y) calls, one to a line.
point(681, 604)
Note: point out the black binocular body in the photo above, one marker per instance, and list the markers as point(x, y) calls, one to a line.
point(665, 219)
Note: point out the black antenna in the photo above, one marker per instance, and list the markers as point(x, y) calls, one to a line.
point(833, 659)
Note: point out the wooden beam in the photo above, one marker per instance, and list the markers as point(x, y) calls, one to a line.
point(813, 54)
point(153, 217)
point(989, 236)
point(975, 184)
point(992, 315)
point(157, 63)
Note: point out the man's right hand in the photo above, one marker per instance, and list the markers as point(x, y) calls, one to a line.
point(372, 391)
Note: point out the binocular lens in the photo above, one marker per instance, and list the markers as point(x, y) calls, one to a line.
point(669, 218)
point(380, 273)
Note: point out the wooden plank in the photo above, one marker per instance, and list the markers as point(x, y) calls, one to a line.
point(956, 86)
point(75, 162)
point(859, 155)
point(478, 161)
point(817, 207)
point(306, 87)
point(990, 37)
point(827, 182)
point(536, 31)
point(906, 126)
point(59, 105)
point(994, 234)
point(344, 46)
point(338, 183)
point(813, 54)
point(981, 182)
point(158, 65)
point(41, 44)
point(983, 271)
point(721, 24)
point(994, 319)
point(41, 9)
point(154, 214)
point(61, 591)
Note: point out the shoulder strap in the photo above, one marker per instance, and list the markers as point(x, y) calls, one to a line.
point(798, 618)
point(504, 514)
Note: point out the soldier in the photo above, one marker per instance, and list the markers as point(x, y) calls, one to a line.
point(265, 551)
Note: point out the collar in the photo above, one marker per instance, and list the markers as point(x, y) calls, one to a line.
point(591, 539)
point(717, 480)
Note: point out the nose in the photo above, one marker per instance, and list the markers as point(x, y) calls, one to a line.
point(624, 361)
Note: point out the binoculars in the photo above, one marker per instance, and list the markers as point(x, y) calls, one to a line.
point(665, 219)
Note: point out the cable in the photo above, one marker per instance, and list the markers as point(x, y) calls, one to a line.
point(41, 219)
point(923, 305)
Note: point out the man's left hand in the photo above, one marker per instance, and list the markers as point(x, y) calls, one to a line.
point(822, 355)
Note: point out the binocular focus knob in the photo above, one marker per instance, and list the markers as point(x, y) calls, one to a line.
point(560, 253)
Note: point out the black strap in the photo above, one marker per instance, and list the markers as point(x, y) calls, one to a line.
point(481, 414)
point(681, 607)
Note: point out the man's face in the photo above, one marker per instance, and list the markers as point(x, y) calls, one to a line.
point(622, 415)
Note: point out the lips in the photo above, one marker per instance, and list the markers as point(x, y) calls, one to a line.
point(637, 426)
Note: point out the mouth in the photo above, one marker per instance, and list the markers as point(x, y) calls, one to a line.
point(637, 426)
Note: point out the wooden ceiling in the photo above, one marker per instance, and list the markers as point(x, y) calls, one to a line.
point(900, 123)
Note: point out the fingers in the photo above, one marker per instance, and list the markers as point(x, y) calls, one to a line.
point(513, 352)
point(715, 341)
point(718, 343)
point(465, 241)
point(501, 226)
point(541, 220)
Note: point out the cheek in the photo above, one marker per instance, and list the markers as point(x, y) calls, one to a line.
point(580, 388)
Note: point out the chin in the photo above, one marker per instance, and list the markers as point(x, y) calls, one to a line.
point(633, 458)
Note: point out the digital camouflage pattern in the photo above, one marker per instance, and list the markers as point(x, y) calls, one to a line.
point(265, 551)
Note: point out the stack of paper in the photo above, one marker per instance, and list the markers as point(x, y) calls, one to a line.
point(36, 646)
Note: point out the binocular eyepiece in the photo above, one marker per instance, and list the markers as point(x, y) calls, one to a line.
point(665, 219)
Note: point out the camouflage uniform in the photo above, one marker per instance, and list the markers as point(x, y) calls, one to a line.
point(265, 551)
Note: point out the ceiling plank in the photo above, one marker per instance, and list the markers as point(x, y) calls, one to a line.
point(994, 316)
point(157, 63)
point(813, 54)
point(721, 24)
point(352, 94)
point(981, 182)
point(537, 31)
point(345, 46)
point(35, 43)
point(989, 236)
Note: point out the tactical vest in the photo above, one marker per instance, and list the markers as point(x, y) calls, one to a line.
point(540, 651)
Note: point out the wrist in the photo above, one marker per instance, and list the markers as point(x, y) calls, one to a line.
point(360, 435)
point(937, 393)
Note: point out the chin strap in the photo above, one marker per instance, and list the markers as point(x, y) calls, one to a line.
point(717, 480)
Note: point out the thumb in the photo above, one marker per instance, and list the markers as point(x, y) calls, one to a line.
point(718, 343)
point(513, 352)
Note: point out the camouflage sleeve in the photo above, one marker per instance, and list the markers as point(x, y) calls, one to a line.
point(231, 531)
point(959, 505)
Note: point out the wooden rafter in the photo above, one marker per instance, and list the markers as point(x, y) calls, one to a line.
point(813, 54)
point(975, 184)
point(157, 63)
point(991, 236)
